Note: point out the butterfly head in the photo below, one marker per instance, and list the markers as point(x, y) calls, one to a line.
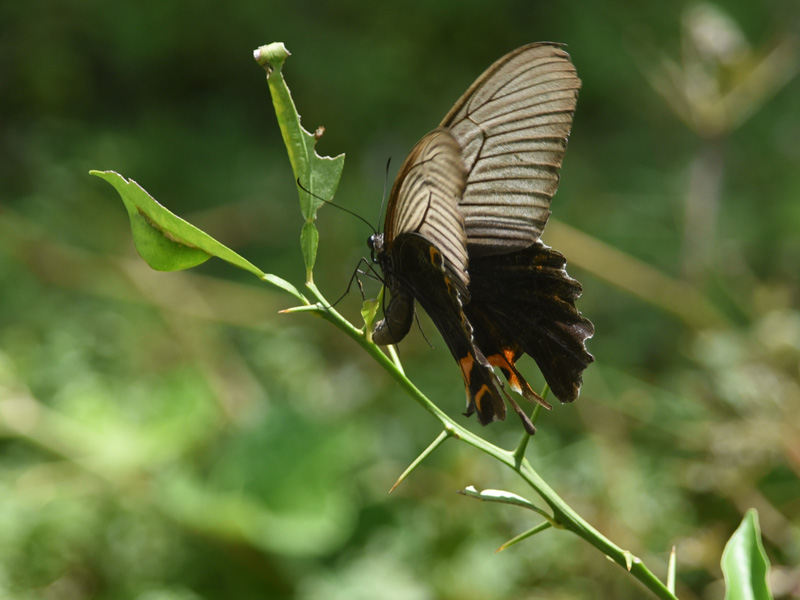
point(375, 243)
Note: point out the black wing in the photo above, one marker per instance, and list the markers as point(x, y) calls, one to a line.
point(524, 302)
point(421, 274)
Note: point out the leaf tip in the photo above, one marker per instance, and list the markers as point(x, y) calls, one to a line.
point(110, 176)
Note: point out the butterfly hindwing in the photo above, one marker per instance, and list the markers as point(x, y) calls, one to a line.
point(524, 302)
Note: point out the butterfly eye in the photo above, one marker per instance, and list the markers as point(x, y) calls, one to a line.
point(375, 243)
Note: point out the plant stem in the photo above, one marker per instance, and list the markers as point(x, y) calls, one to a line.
point(564, 515)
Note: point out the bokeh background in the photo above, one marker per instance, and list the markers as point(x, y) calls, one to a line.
point(170, 436)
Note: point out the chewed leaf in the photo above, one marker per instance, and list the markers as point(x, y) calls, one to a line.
point(164, 240)
point(317, 176)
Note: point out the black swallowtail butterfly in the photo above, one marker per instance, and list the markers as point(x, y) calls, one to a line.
point(462, 228)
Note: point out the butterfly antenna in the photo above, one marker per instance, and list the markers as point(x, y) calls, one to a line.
point(347, 210)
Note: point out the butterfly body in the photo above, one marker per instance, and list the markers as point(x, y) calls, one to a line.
point(461, 235)
point(415, 269)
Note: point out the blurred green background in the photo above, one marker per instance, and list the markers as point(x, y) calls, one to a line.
point(170, 436)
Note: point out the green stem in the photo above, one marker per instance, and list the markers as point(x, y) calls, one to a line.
point(440, 439)
point(524, 536)
point(519, 453)
point(564, 515)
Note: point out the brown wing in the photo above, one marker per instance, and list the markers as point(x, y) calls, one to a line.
point(513, 124)
point(424, 200)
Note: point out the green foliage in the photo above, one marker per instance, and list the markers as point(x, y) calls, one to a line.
point(317, 177)
point(168, 243)
point(745, 564)
point(563, 516)
point(172, 436)
point(165, 241)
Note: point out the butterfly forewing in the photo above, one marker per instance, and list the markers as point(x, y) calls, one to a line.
point(513, 124)
point(425, 198)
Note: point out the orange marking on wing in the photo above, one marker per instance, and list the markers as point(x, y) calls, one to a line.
point(480, 394)
point(435, 257)
point(466, 365)
point(506, 361)
point(436, 260)
point(498, 360)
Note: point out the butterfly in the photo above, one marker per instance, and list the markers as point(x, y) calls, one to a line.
point(461, 235)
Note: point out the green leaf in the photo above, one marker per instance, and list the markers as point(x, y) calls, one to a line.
point(369, 310)
point(525, 535)
point(309, 243)
point(440, 439)
point(500, 496)
point(164, 240)
point(745, 564)
point(284, 285)
point(317, 176)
